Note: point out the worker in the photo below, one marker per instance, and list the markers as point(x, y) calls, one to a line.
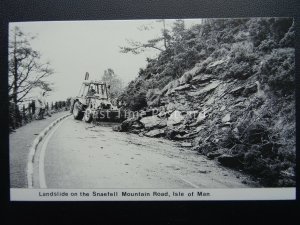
point(91, 92)
point(40, 105)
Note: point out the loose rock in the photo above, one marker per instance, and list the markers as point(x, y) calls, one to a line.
point(175, 118)
point(226, 118)
point(155, 133)
point(186, 144)
point(153, 121)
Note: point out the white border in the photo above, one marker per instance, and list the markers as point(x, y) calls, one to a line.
point(22, 194)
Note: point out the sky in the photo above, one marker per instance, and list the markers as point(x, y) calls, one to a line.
point(76, 47)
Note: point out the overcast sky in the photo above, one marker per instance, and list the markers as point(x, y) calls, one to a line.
point(76, 47)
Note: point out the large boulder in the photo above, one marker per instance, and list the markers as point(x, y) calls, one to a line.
point(200, 128)
point(186, 144)
point(128, 125)
point(216, 63)
point(185, 78)
point(117, 128)
point(152, 93)
point(231, 161)
point(174, 133)
point(190, 116)
point(200, 79)
point(237, 91)
point(150, 122)
point(155, 133)
point(201, 117)
point(214, 154)
point(182, 87)
point(153, 97)
point(154, 102)
point(175, 118)
point(171, 106)
point(250, 89)
point(195, 70)
point(170, 86)
point(207, 89)
point(226, 118)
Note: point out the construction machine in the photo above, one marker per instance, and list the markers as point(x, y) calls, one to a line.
point(93, 103)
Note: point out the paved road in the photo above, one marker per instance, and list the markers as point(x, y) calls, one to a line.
point(81, 155)
point(19, 144)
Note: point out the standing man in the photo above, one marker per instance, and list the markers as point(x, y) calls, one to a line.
point(47, 111)
point(32, 107)
point(40, 105)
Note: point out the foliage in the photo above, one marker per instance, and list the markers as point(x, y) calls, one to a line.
point(114, 83)
point(26, 113)
point(25, 69)
point(278, 70)
point(137, 101)
point(25, 72)
point(136, 47)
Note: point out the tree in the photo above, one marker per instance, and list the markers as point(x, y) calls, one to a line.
point(25, 68)
point(137, 47)
point(115, 83)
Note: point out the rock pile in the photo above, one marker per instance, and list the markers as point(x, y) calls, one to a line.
point(218, 118)
point(226, 90)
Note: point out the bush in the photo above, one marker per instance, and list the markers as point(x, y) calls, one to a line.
point(289, 38)
point(267, 45)
point(265, 29)
point(137, 101)
point(242, 52)
point(239, 71)
point(278, 70)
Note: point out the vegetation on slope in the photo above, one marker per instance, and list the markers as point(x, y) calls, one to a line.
point(237, 77)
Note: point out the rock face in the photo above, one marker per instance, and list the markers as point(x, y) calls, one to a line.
point(231, 105)
point(204, 91)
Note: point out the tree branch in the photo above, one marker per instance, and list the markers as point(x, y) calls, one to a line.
point(27, 73)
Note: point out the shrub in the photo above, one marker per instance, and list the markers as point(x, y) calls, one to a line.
point(239, 71)
point(137, 101)
point(274, 29)
point(289, 38)
point(278, 70)
point(267, 45)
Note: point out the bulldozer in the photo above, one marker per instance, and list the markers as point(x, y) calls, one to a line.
point(93, 103)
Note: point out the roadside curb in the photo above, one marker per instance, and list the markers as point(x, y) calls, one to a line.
point(34, 145)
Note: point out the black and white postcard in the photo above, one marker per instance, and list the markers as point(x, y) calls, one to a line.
point(156, 109)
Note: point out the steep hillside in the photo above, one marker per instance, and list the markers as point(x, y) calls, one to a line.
point(225, 88)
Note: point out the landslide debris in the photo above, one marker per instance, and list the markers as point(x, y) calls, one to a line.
point(226, 89)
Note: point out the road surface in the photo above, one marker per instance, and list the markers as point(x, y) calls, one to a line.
point(76, 154)
point(20, 142)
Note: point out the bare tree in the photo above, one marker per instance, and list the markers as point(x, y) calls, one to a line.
point(137, 47)
point(25, 69)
